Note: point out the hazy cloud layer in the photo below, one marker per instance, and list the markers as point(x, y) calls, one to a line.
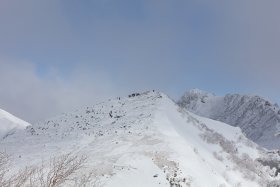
point(34, 98)
point(68, 53)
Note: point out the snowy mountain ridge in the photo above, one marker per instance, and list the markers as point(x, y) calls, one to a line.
point(9, 123)
point(147, 140)
point(258, 118)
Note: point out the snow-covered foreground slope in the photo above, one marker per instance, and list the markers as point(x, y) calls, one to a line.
point(258, 118)
point(147, 141)
point(9, 123)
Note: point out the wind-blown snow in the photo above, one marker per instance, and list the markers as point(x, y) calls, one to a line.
point(8, 123)
point(258, 118)
point(146, 140)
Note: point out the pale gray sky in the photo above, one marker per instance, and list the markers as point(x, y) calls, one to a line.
point(59, 55)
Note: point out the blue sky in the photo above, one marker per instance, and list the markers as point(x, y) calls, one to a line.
point(59, 55)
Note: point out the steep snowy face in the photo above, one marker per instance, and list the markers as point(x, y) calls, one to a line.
point(147, 140)
point(258, 118)
point(9, 123)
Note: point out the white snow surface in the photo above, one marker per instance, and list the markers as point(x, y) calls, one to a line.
point(9, 123)
point(145, 141)
point(258, 118)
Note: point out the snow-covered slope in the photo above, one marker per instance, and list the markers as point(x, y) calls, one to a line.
point(9, 123)
point(258, 118)
point(146, 140)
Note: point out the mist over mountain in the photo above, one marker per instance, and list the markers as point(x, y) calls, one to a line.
point(144, 139)
point(258, 118)
point(9, 123)
point(74, 105)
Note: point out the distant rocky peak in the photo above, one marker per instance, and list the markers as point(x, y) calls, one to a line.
point(258, 117)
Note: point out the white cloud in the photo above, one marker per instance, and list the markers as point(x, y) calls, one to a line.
point(230, 46)
point(24, 93)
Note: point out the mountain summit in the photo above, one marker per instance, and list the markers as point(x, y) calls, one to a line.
point(145, 139)
point(257, 117)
